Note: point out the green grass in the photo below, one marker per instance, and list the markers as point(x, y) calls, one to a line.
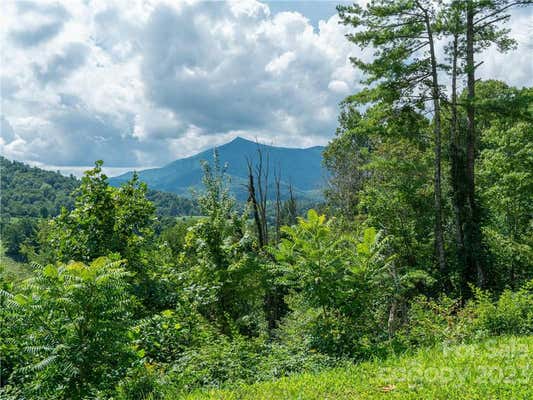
point(11, 269)
point(499, 368)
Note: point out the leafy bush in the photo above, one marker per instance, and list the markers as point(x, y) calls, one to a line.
point(230, 362)
point(74, 321)
point(143, 382)
point(215, 363)
point(221, 269)
point(162, 338)
point(512, 313)
point(444, 320)
point(337, 279)
point(431, 322)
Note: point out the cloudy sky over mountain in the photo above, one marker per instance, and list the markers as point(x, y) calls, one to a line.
point(141, 83)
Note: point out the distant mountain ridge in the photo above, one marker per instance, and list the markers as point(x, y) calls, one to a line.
point(32, 192)
point(301, 168)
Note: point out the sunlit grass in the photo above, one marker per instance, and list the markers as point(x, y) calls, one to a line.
point(500, 368)
point(12, 269)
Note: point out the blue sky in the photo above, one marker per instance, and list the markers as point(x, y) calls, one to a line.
point(314, 10)
point(141, 83)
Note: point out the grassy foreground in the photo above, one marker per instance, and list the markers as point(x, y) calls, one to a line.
point(13, 270)
point(499, 368)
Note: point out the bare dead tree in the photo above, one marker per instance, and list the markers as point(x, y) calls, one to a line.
point(291, 211)
point(262, 172)
point(258, 181)
point(277, 180)
point(255, 207)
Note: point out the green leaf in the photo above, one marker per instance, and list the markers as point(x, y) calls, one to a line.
point(50, 271)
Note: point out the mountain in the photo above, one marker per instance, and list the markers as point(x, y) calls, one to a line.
point(302, 168)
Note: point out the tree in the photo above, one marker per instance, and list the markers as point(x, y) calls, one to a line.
point(505, 182)
point(17, 233)
point(257, 195)
point(221, 271)
point(345, 157)
point(104, 220)
point(341, 281)
point(75, 319)
point(474, 25)
point(404, 71)
point(392, 185)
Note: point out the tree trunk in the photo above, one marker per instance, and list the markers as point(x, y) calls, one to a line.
point(457, 163)
point(277, 178)
point(252, 199)
point(475, 272)
point(439, 236)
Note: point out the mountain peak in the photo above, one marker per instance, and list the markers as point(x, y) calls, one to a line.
point(302, 167)
point(240, 139)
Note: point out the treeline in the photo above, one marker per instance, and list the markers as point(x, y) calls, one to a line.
point(33, 192)
point(37, 193)
point(30, 195)
point(439, 159)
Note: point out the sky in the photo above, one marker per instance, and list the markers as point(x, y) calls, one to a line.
point(141, 83)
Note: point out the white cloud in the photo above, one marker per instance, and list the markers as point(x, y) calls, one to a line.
point(144, 82)
point(279, 64)
point(339, 87)
point(516, 66)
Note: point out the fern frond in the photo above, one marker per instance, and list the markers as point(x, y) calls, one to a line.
point(40, 365)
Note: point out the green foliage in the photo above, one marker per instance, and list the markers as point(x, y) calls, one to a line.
point(75, 321)
point(336, 277)
point(223, 362)
point(104, 220)
point(11, 270)
point(198, 303)
point(445, 320)
point(163, 338)
point(221, 270)
point(505, 171)
point(394, 190)
point(33, 192)
point(11, 353)
point(16, 233)
point(144, 382)
point(171, 205)
point(175, 234)
point(398, 199)
point(401, 32)
point(512, 313)
point(498, 368)
point(220, 361)
point(344, 158)
point(431, 322)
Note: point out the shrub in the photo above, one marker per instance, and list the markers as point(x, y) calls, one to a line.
point(443, 320)
point(431, 322)
point(338, 284)
point(229, 362)
point(143, 382)
point(74, 321)
point(164, 337)
point(512, 313)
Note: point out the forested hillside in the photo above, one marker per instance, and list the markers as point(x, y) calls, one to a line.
point(30, 195)
point(414, 278)
point(33, 192)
